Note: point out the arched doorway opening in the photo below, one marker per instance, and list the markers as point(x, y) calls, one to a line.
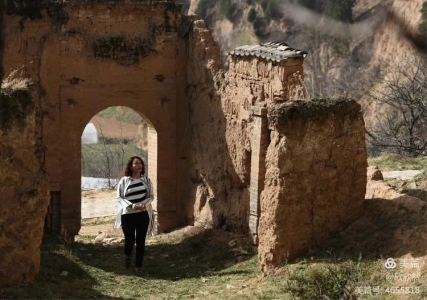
point(108, 140)
point(64, 151)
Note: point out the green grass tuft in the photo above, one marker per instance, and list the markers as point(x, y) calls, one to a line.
point(193, 263)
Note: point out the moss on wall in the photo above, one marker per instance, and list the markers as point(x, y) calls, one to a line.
point(316, 109)
point(170, 8)
point(15, 109)
point(33, 10)
point(123, 50)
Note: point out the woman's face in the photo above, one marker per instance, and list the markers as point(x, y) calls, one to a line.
point(137, 165)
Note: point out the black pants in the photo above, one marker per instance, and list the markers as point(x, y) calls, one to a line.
point(135, 228)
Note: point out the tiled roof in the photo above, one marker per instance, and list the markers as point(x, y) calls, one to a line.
point(274, 51)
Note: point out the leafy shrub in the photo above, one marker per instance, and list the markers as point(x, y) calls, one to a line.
point(227, 9)
point(329, 282)
point(315, 5)
point(202, 8)
point(260, 27)
point(264, 3)
point(310, 4)
point(273, 9)
point(252, 15)
point(341, 10)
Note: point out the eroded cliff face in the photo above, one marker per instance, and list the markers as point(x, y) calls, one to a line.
point(24, 190)
point(315, 176)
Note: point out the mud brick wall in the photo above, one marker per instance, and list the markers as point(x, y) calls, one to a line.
point(24, 188)
point(315, 176)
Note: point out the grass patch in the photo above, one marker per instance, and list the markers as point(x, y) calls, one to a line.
point(327, 280)
point(398, 162)
point(187, 264)
point(192, 266)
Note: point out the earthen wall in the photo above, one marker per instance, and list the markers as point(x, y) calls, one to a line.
point(87, 57)
point(24, 188)
point(216, 158)
point(315, 178)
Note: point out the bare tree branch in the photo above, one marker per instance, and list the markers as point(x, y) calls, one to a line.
point(403, 92)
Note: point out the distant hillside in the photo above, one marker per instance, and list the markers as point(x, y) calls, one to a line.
point(121, 122)
point(121, 113)
point(332, 46)
point(111, 128)
point(341, 55)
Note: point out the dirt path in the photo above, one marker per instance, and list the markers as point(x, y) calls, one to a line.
point(98, 203)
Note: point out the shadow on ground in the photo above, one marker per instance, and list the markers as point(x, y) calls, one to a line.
point(388, 228)
point(85, 270)
point(419, 193)
point(60, 277)
point(196, 255)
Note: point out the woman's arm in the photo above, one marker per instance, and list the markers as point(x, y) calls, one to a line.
point(150, 196)
point(120, 194)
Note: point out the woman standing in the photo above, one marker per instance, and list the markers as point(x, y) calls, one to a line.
point(135, 215)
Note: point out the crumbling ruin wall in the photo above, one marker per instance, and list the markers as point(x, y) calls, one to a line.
point(203, 162)
point(219, 123)
point(24, 189)
point(81, 58)
point(145, 55)
point(251, 82)
point(85, 56)
point(316, 176)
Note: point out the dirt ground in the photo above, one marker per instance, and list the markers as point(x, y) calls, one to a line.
point(98, 212)
point(94, 226)
point(393, 224)
point(98, 203)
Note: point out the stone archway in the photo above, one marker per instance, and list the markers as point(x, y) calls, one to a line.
point(110, 138)
point(88, 58)
point(161, 144)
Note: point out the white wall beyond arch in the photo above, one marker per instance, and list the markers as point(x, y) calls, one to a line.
point(90, 134)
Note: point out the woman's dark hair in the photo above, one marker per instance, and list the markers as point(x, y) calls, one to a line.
point(128, 169)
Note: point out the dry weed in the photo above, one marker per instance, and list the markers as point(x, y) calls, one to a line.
point(14, 81)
